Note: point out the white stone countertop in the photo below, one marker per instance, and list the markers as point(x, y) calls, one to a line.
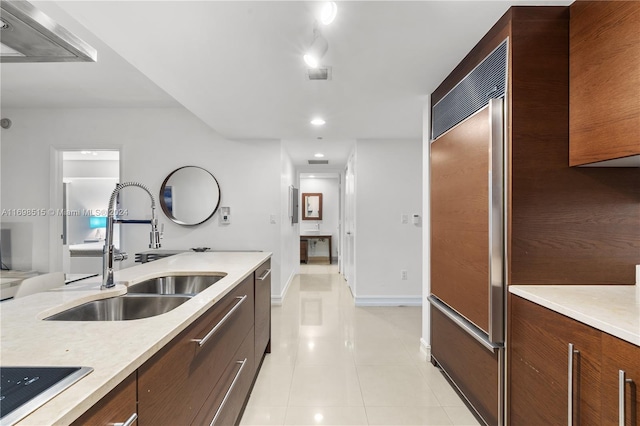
point(114, 349)
point(614, 309)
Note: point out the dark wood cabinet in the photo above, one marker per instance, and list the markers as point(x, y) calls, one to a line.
point(560, 219)
point(619, 355)
point(227, 399)
point(304, 251)
point(117, 406)
point(604, 108)
point(475, 373)
point(175, 383)
point(541, 365)
point(262, 311)
point(539, 370)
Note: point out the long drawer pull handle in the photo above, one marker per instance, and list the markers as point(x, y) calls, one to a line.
point(129, 421)
point(622, 381)
point(226, 395)
point(572, 351)
point(224, 319)
point(265, 275)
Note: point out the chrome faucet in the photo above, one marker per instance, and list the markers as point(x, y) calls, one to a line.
point(108, 252)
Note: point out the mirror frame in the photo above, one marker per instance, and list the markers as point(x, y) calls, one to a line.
point(304, 210)
point(166, 210)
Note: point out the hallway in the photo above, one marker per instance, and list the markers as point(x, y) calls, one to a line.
point(336, 364)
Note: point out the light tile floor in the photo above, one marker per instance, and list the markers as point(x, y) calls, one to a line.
point(332, 363)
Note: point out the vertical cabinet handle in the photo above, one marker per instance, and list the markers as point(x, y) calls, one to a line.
point(622, 381)
point(129, 421)
point(572, 351)
point(226, 395)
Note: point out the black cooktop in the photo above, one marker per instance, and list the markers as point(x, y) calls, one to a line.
point(23, 389)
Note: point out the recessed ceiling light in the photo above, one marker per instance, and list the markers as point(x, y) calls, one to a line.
point(328, 12)
point(318, 121)
point(318, 155)
point(311, 176)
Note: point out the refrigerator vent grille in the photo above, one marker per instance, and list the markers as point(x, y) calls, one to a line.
point(487, 80)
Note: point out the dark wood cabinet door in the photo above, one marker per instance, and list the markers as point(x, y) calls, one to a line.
point(619, 355)
point(539, 367)
point(604, 108)
point(174, 384)
point(460, 218)
point(116, 407)
point(262, 311)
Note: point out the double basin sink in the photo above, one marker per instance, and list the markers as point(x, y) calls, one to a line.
point(145, 299)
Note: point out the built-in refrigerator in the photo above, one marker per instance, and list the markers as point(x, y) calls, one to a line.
point(467, 236)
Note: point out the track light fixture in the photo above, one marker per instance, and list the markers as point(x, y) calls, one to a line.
point(317, 50)
point(328, 12)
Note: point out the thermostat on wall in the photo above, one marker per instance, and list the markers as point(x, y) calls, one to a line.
point(225, 215)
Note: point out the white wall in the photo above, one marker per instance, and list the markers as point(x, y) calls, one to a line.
point(153, 143)
point(329, 187)
point(388, 184)
point(289, 241)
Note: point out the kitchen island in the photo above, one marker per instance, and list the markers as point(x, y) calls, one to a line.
point(114, 349)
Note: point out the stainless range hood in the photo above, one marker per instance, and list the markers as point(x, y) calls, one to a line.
point(28, 35)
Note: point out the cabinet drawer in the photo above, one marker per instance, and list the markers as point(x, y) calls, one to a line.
point(476, 374)
point(263, 311)
point(184, 372)
point(228, 396)
point(116, 407)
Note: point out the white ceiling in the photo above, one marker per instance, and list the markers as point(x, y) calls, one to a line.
point(237, 65)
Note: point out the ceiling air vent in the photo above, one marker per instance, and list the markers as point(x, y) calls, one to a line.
point(319, 73)
point(318, 161)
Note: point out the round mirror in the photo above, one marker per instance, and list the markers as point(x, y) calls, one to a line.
point(190, 195)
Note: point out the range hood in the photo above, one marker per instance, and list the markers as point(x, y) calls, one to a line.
point(28, 35)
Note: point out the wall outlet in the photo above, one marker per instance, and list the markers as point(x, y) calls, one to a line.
point(272, 219)
point(403, 274)
point(404, 218)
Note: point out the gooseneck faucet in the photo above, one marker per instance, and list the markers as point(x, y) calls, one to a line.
point(108, 252)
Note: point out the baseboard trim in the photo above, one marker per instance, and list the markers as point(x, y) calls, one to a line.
point(388, 301)
point(425, 349)
point(277, 300)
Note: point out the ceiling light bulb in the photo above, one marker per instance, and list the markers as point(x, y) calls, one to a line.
point(318, 155)
point(311, 61)
point(318, 121)
point(328, 12)
point(316, 51)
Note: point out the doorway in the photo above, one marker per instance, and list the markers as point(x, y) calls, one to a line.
point(320, 231)
point(84, 181)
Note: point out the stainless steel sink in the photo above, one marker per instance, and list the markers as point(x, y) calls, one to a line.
point(175, 284)
point(121, 308)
